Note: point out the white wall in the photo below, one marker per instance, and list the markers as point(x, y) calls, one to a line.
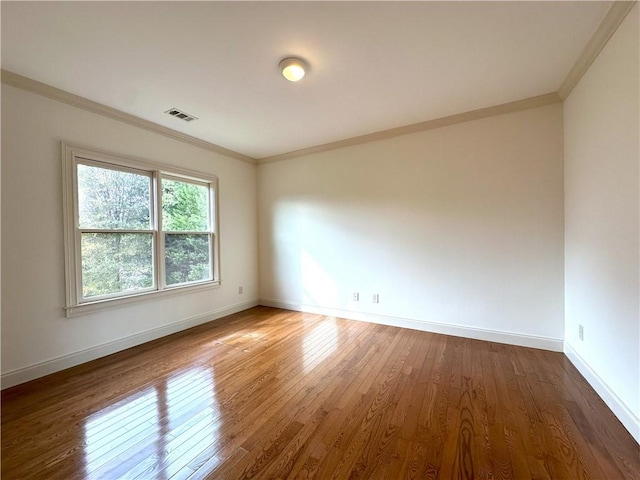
point(36, 336)
point(601, 231)
point(459, 230)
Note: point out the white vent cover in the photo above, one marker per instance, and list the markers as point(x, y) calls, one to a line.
point(174, 112)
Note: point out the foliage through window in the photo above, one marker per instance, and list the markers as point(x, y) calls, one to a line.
point(134, 228)
point(185, 219)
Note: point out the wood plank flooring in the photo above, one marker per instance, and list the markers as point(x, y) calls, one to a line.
point(268, 393)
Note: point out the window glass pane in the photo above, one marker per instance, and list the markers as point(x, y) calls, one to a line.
point(116, 262)
point(187, 258)
point(184, 206)
point(112, 199)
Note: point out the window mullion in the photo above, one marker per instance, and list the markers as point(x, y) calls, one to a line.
point(159, 235)
point(212, 250)
point(213, 228)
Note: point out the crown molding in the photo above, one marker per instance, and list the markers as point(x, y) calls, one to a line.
point(527, 103)
point(610, 23)
point(33, 86)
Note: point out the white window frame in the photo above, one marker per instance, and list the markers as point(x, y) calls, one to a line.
point(72, 155)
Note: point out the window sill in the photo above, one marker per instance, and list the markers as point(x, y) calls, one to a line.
point(98, 305)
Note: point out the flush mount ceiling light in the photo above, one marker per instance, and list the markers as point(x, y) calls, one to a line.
point(293, 69)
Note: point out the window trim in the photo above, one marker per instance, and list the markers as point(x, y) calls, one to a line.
point(74, 304)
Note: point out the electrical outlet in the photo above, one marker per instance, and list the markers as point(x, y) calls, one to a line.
point(376, 298)
point(240, 290)
point(581, 332)
point(356, 297)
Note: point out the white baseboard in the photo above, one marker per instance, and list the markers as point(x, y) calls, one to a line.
point(617, 406)
point(544, 343)
point(21, 375)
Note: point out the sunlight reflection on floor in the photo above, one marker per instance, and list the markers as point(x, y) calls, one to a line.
point(321, 342)
point(152, 432)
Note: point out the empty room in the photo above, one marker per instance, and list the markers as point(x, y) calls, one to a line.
point(329, 240)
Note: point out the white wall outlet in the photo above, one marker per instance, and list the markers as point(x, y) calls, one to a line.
point(356, 297)
point(376, 298)
point(581, 332)
point(240, 290)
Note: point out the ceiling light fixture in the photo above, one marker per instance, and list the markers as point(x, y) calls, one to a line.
point(293, 69)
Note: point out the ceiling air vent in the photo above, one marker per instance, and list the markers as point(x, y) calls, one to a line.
point(174, 112)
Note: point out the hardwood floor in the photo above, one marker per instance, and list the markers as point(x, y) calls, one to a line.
point(269, 393)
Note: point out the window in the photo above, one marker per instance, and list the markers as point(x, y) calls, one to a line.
point(133, 228)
